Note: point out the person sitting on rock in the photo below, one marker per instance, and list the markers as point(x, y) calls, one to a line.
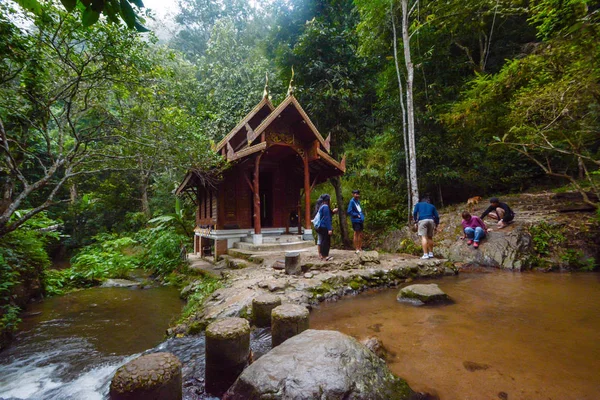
point(500, 212)
point(474, 229)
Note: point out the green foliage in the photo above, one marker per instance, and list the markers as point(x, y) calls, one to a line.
point(9, 320)
point(110, 257)
point(576, 259)
point(201, 291)
point(23, 259)
point(162, 250)
point(114, 10)
point(555, 16)
point(408, 246)
point(547, 237)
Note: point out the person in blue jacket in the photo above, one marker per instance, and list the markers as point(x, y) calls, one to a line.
point(325, 229)
point(357, 216)
point(426, 216)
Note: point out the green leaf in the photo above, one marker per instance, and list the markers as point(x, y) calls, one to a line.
point(89, 17)
point(138, 3)
point(177, 206)
point(31, 5)
point(497, 139)
point(69, 4)
point(140, 28)
point(128, 14)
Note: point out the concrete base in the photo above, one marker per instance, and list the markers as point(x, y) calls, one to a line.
point(308, 234)
point(257, 239)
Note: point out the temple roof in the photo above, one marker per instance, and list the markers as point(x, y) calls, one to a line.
point(253, 119)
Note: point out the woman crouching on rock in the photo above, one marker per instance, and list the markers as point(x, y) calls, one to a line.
point(325, 226)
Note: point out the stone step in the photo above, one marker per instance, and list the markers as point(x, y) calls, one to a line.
point(274, 246)
point(276, 239)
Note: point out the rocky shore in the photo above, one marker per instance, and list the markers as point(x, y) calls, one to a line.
point(347, 274)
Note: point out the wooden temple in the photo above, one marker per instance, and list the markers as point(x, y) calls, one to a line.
point(275, 158)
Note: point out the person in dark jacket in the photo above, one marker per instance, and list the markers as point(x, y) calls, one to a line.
point(426, 216)
point(325, 229)
point(500, 212)
point(357, 216)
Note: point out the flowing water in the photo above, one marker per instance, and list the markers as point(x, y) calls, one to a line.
point(70, 346)
point(507, 336)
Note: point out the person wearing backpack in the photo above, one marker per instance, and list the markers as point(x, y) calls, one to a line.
point(357, 217)
point(324, 226)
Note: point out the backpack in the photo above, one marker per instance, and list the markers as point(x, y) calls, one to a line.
point(317, 219)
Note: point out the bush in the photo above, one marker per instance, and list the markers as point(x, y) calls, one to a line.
point(23, 259)
point(162, 249)
point(111, 257)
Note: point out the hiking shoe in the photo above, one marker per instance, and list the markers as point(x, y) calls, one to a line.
point(475, 245)
point(470, 242)
point(425, 257)
point(430, 254)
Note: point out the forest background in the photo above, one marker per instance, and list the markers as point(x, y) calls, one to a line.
point(98, 122)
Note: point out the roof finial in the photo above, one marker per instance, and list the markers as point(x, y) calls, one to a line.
point(290, 91)
point(266, 91)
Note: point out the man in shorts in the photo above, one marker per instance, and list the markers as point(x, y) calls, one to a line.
point(426, 216)
point(357, 216)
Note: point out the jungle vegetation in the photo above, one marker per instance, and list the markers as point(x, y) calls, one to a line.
point(99, 121)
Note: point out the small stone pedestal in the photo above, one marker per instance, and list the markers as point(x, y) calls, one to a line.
point(286, 321)
point(262, 307)
point(292, 263)
point(227, 353)
point(153, 377)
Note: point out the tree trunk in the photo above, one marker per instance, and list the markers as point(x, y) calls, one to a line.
point(336, 182)
point(414, 187)
point(404, 132)
point(144, 183)
point(7, 192)
point(145, 201)
point(73, 193)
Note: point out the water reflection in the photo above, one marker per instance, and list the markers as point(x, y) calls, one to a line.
point(525, 335)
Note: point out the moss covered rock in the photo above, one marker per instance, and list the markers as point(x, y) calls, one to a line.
point(153, 376)
point(423, 294)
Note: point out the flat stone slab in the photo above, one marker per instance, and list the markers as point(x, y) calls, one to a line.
point(290, 312)
point(321, 282)
point(228, 328)
point(423, 294)
point(112, 283)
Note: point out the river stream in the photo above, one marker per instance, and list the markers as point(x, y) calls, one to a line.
point(507, 336)
point(70, 346)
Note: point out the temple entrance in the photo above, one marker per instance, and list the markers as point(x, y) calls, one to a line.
point(266, 199)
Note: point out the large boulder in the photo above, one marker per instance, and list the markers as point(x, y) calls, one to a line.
point(509, 248)
point(423, 294)
point(319, 365)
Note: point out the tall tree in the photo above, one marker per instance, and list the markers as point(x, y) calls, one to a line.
point(334, 82)
point(54, 118)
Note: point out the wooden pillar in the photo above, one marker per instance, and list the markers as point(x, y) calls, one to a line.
point(257, 227)
point(306, 191)
point(299, 211)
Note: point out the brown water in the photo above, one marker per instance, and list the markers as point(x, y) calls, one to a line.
point(69, 346)
point(509, 335)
